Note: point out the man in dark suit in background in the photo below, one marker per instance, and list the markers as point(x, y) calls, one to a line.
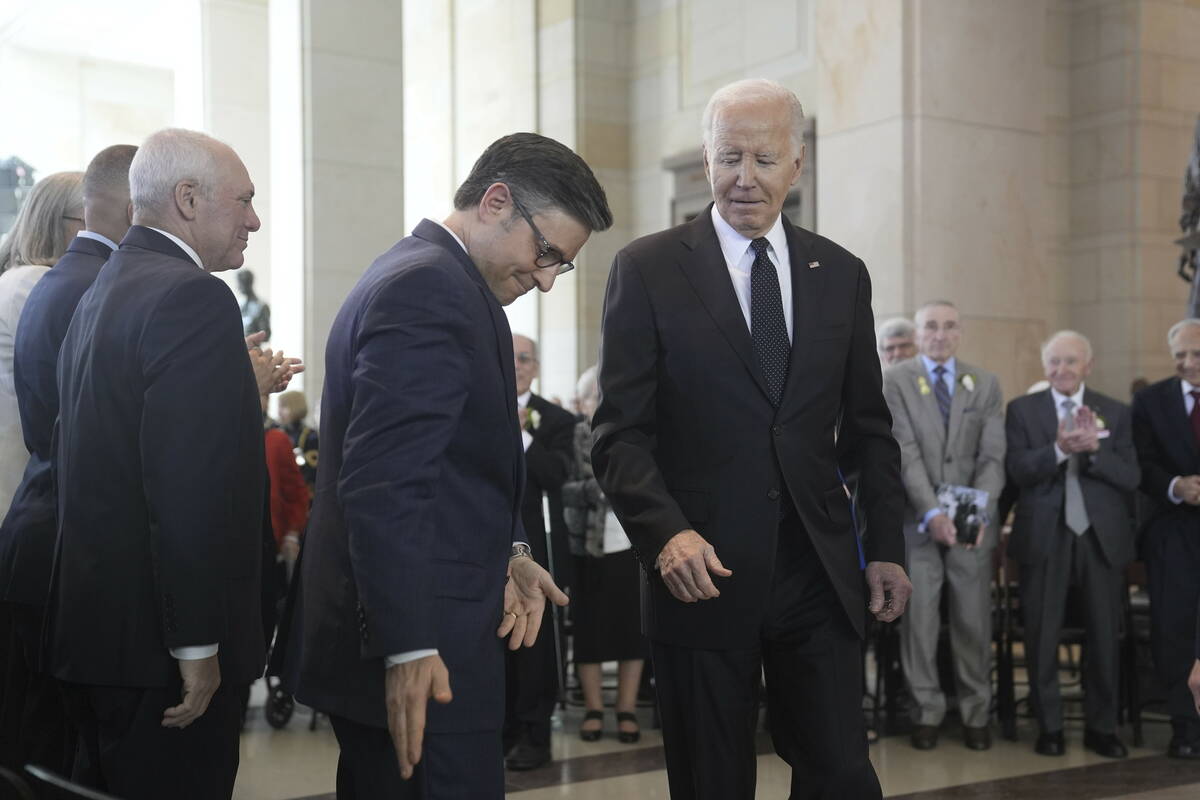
point(153, 615)
point(33, 707)
point(733, 348)
point(1070, 450)
point(548, 436)
point(1166, 431)
point(415, 553)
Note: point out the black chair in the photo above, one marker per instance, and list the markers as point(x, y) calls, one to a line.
point(56, 787)
point(14, 786)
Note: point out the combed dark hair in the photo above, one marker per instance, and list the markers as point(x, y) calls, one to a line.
point(543, 174)
point(108, 173)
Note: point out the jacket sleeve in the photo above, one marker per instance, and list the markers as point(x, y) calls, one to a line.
point(625, 423)
point(411, 376)
point(1156, 472)
point(865, 435)
point(196, 370)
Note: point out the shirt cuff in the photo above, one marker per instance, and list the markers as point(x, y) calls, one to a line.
point(1059, 454)
point(1171, 491)
point(930, 514)
point(194, 653)
point(526, 439)
point(404, 658)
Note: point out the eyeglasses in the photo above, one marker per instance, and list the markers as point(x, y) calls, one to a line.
point(74, 219)
point(549, 256)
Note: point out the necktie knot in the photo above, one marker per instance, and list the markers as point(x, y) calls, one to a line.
point(1068, 405)
point(1195, 393)
point(759, 245)
point(939, 371)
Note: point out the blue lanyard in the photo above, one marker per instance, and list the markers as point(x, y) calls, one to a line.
point(862, 559)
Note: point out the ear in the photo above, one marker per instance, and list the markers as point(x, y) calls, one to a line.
point(495, 203)
point(186, 195)
point(129, 213)
point(704, 158)
point(799, 168)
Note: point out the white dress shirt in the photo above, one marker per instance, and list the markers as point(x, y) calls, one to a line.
point(15, 285)
point(523, 402)
point(184, 246)
point(739, 258)
point(1188, 403)
point(99, 237)
point(1059, 399)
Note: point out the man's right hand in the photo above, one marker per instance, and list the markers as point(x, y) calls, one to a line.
point(201, 677)
point(408, 688)
point(942, 530)
point(1187, 488)
point(685, 562)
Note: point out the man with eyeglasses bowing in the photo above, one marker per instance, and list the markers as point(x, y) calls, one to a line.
point(415, 559)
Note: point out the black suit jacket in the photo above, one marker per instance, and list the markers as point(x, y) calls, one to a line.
point(160, 475)
point(547, 461)
point(418, 490)
point(1166, 447)
point(686, 437)
point(1108, 478)
point(28, 531)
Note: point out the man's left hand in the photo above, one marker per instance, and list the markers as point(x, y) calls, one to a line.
point(1194, 683)
point(525, 595)
point(890, 590)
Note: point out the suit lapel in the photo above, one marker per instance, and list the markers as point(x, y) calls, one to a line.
point(958, 401)
point(808, 291)
point(1047, 415)
point(706, 270)
point(1176, 413)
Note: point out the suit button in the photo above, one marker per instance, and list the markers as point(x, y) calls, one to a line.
point(773, 494)
point(776, 430)
point(949, 459)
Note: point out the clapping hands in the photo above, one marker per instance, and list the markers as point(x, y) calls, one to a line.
point(1082, 435)
point(272, 370)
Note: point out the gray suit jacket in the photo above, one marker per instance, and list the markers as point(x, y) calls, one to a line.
point(1108, 478)
point(970, 452)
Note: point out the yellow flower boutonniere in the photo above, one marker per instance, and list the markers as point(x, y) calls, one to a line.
point(1100, 423)
point(923, 385)
point(968, 382)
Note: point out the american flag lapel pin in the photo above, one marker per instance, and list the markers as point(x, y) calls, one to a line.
point(814, 264)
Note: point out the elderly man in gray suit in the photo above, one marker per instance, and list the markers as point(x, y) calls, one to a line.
point(1070, 450)
point(948, 417)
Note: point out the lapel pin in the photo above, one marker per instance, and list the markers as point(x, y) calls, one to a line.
point(814, 264)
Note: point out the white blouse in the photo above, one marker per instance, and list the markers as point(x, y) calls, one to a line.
point(15, 285)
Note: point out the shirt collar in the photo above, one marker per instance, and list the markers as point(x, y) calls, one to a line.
point(1186, 387)
point(523, 399)
point(1076, 398)
point(184, 246)
point(930, 365)
point(455, 235)
point(734, 245)
point(98, 237)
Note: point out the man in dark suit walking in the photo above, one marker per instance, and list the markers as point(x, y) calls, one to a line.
point(1070, 452)
point(532, 674)
point(415, 553)
point(1166, 432)
point(33, 704)
point(153, 614)
point(735, 349)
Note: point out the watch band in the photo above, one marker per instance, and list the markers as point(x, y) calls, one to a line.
point(520, 549)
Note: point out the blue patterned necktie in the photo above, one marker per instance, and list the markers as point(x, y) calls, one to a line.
point(768, 328)
point(942, 393)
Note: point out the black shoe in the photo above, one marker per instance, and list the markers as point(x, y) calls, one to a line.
point(527, 756)
point(627, 737)
point(1050, 744)
point(977, 738)
point(1182, 748)
point(924, 737)
point(592, 736)
point(1105, 744)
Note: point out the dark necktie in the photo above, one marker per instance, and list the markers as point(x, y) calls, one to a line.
point(942, 393)
point(768, 328)
point(1195, 416)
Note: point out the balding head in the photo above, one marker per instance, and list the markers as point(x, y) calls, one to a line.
point(750, 91)
point(1067, 360)
point(106, 206)
point(195, 187)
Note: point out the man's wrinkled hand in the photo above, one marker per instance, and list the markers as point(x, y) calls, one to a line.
point(942, 530)
point(408, 688)
point(201, 679)
point(529, 586)
point(685, 563)
point(1194, 684)
point(890, 589)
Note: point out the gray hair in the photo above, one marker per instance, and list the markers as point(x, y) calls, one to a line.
point(39, 233)
point(1178, 327)
point(1087, 344)
point(164, 160)
point(754, 89)
point(587, 388)
point(896, 326)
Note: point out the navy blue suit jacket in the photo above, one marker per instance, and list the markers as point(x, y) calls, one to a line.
point(160, 473)
point(27, 534)
point(418, 490)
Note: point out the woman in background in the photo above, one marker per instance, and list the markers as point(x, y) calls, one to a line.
point(605, 603)
point(293, 409)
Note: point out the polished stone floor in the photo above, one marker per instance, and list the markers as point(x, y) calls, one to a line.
point(298, 763)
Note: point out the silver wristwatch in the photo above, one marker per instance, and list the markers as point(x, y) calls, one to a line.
point(519, 549)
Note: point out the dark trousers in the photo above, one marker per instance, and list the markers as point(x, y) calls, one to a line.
point(1078, 560)
point(531, 687)
point(1173, 569)
point(812, 658)
point(128, 752)
point(34, 727)
point(453, 766)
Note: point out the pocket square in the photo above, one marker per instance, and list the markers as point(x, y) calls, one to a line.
point(814, 264)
